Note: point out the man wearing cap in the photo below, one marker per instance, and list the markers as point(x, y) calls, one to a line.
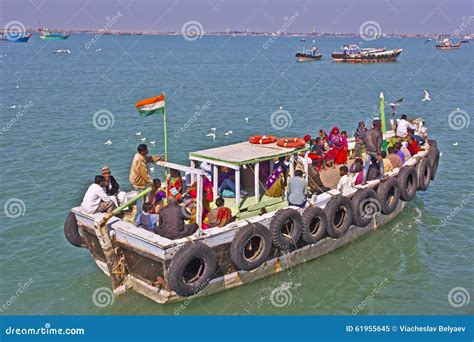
point(373, 147)
point(139, 176)
point(112, 188)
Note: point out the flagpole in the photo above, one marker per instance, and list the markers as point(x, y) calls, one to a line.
point(382, 121)
point(164, 128)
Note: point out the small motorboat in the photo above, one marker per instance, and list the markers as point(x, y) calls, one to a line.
point(353, 54)
point(62, 51)
point(46, 34)
point(445, 43)
point(308, 55)
point(15, 37)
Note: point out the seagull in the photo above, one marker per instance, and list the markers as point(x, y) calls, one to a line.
point(247, 120)
point(143, 139)
point(455, 144)
point(228, 132)
point(12, 107)
point(428, 40)
point(138, 133)
point(152, 169)
point(396, 103)
point(98, 50)
point(152, 142)
point(427, 96)
point(17, 87)
point(213, 129)
point(108, 142)
point(212, 135)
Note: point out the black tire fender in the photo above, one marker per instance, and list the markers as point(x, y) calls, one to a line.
point(251, 246)
point(315, 224)
point(191, 269)
point(433, 158)
point(286, 227)
point(423, 171)
point(365, 206)
point(388, 195)
point(340, 216)
point(71, 232)
point(408, 182)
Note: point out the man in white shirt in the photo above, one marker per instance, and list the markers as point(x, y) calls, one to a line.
point(403, 125)
point(345, 182)
point(96, 200)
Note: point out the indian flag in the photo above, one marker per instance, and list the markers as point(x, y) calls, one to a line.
point(151, 106)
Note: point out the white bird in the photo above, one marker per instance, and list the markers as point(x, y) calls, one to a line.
point(98, 50)
point(455, 144)
point(152, 142)
point(138, 133)
point(212, 135)
point(152, 169)
point(17, 87)
point(228, 132)
point(143, 139)
point(213, 129)
point(12, 107)
point(246, 120)
point(427, 96)
point(108, 142)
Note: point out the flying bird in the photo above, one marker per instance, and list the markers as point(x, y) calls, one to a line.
point(213, 129)
point(152, 142)
point(246, 120)
point(12, 107)
point(17, 87)
point(228, 132)
point(143, 139)
point(212, 135)
point(108, 142)
point(100, 49)
point(428, 40)
point(455, 144)
point(427, 96)
point(396, 103)
point(138, 133)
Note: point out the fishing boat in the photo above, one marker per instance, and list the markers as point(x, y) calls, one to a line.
point(444, 43)
point(354, 54)
point(62, 51)
point(46, 34)
point(267, 236)
point(308, 55)
point(15, 37)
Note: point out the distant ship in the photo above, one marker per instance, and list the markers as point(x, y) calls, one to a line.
point(45, 34)
point(444, 43)
point(308, 55)
point(353, 54)
point(14, 37)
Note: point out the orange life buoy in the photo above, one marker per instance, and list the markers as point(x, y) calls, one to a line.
point(291, 142)
point(262, 139)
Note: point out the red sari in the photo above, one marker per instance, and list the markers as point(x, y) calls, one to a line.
point(338, 143)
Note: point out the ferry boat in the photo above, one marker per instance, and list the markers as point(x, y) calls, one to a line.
point(45, 34)
point(354, 54)
point(267, 237)
point(15, 37)
point(308, 55)
point(445, 43)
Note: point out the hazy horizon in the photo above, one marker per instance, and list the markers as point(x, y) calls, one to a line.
point(341, 16)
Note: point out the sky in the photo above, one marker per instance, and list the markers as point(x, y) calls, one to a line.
point(347, 16)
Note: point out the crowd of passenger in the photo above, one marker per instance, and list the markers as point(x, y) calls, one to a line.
point(170, 211)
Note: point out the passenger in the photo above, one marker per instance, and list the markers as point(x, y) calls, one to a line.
point(323, 135)
point(357, 168)
point(175, 184)
point(398, 150)
point(148, 219)
point(320, 155)
point(339, 145)
point(402, 127)
point(373, 146)
point(226, 183)
point(112, 188)
point(159, 197)
point(139, 176)
point(220, 216)
point(387, 164)
point(345, 182)
point(275, 182)
point(297, 190)
point(315, 184)
point(394, 158)
point(418, 138)
point(374, 170)
point(359, 138)
point(405, 150)
point(95, 199)
point(413, 145)
point(171, 222)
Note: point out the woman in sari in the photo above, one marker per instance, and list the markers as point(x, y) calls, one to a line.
point(274, 183)
point(174, 183)
point(337, 143)
point(359, 135)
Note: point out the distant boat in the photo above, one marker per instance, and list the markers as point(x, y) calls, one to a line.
point(15, 37)
point(445, 43)
point(62, 51)
point(354, 54)
point(45, 34)
point(308, 55)
point(303, 40)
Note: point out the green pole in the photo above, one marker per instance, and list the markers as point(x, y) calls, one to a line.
point(131, 201)
point(382, 121)
point(164, 128)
